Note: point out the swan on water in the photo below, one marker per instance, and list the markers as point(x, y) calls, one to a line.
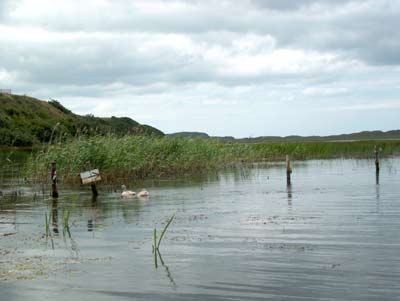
point(143, 193)
point(127, 193)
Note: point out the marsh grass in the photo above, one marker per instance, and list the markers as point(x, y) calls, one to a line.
point(141, 157)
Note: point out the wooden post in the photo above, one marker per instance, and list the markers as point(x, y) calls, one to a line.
point(54, 192)
point(288, 170)
point(376, 152)
point(94, 190)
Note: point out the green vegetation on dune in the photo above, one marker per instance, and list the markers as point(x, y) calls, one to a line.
point(140, 157)
point(26, 121)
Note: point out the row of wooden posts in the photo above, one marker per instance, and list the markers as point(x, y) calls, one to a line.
point(289, 166)
point(93, 176)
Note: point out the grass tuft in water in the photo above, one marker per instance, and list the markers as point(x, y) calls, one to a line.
point(47, 225)
point(163, 232)
point(156, 245)
point(47, 220)
point(65, 223)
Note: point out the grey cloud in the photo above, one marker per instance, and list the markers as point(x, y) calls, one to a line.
point(90, 62)
point(363, 30)
point(367, 35)
point(5, 7)
point(288, 5)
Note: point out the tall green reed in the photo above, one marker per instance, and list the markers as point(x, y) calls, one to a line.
point(141, 157)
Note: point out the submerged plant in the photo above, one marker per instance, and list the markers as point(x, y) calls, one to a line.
point(156, 245)
point(47, 224)
point(65, 223)
point(163, 232)
point(47, 220)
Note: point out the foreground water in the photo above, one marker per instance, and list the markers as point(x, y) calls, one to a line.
point(239, 235)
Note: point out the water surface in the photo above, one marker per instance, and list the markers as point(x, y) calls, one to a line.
point(241, 234)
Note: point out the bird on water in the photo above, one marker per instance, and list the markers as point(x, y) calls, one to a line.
point(127, 193)
point(143, 193)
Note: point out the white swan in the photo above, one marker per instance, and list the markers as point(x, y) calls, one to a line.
point(127, 193)
point(143, 193)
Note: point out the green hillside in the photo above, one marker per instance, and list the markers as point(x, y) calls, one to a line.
point(190, 135)
point(26, 121)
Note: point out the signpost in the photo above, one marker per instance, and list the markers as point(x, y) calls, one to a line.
point(91, 177)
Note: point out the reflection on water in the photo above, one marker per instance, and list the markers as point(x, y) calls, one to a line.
point(289, 194)
point(168, 272)
point(340, 238)
point(93, 214)
point(377, 188)
point(54, 209)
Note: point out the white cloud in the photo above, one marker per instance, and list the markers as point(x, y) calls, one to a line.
point(325, 91)
point(381, 105)
point(6, 78)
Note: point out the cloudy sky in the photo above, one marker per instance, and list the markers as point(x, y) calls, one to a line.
point(241, 68)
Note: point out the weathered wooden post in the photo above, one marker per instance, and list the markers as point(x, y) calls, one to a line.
point(91, 177)
point(376, 152)
point(54, 192)
point(288, 170)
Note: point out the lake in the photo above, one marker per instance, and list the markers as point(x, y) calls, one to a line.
point(240, 234)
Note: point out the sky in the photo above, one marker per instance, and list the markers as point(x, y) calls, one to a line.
point(241, 68)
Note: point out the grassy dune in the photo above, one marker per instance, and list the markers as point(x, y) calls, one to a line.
point(26, 121)
point(150, 157)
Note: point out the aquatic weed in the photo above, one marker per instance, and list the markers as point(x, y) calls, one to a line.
point(156, 245)
point(47, 228)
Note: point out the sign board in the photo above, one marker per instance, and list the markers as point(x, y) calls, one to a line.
point(90, 177)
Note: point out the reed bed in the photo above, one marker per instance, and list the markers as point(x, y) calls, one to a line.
point(141, 157)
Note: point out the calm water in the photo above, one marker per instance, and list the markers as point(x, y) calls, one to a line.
point(239, 235)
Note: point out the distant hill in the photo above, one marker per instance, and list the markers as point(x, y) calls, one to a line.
point(25, 121)
point(201, 135)
point(365, 135)
point(190, 135)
